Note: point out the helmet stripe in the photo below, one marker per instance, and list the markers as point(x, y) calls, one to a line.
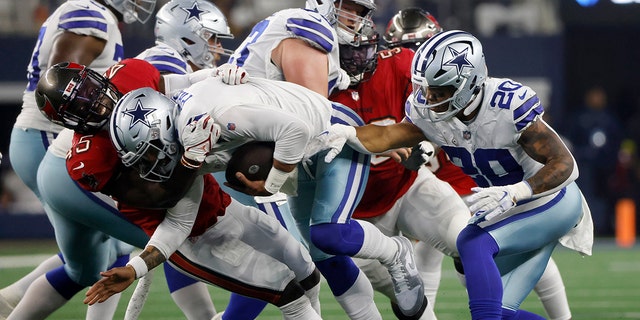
point(431, 44)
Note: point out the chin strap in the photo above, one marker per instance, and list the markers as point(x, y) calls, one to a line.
point(474, 104)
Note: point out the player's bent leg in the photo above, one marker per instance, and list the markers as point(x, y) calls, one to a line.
point(190, 295)
point(43, 298)
point(11, 294)
point(429, 264)
point(551, 292)
point(26, 150)
point(350, 286)
point(221, 257)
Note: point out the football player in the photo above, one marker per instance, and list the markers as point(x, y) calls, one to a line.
point(397, 199)
point(301, 46)
point(94, 165)
point(408, 29)
point(86, 32)
point(97, 213)
point(492, 128)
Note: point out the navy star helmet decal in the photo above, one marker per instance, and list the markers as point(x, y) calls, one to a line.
point(139, 115)
point(459, 60)
point(193, 13)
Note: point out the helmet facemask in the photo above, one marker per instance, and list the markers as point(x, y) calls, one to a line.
point(134, 10)
point(359, 58)
point(353, 17)
point(195, 29)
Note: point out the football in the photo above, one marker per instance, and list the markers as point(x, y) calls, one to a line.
point(253, 159)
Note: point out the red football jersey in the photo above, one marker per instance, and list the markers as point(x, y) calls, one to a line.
point(213, 205)
point(380, 100)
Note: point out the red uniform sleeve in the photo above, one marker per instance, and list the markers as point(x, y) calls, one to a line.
point(92, 160)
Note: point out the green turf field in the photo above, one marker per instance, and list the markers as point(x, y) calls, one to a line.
point(604, 286)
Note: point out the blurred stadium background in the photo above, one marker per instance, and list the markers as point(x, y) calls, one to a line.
point(579, 55)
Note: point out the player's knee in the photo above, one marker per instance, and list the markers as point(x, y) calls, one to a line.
point(329, 237)
point(474, 240)
point(291, 292)
point(312, 280)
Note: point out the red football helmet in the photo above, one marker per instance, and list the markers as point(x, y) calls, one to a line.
point(410, 27)
point(76, 97)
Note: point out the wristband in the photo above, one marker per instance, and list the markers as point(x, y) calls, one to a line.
point(275, 180)
point(139, 266)
point(521, 191)
point(353, 141)
point(191, 164)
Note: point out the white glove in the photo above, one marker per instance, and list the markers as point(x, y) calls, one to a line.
point(0, 157)
point(199, 136)
point(232, 74)
point(420, 155)
point(332, 139)
point(343, 81)
point(488, 203)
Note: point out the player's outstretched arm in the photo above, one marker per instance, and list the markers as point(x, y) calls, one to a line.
point(118, 279)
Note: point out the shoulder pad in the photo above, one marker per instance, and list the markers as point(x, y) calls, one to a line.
point(314, 29)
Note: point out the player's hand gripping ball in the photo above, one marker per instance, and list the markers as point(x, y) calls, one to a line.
point(253, 159)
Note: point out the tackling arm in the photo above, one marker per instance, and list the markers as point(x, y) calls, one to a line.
point(378, 139)
point(169, 235)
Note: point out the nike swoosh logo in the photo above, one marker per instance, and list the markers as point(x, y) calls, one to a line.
point(523, 95)
point(80, 166)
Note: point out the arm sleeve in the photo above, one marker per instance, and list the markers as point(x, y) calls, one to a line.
point(178, 221)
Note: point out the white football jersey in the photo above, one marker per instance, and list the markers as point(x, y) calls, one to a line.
point(166, 59)
point(254, 54)
point(261, 110)
point(82, 17)
point(487, 148)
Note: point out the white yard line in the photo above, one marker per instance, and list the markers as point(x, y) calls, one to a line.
point(22, 261)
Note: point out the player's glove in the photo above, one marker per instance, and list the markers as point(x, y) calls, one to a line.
point(199, 136)
point(232, 74)
point(420, 155)
point(488, 203)
point(343, 80)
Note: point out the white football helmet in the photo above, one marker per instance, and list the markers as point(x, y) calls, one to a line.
point(194, 28)
point(452, 58)
point(133, 10)
point(143, 131)
point(349, 28)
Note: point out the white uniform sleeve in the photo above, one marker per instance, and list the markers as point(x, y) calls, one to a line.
point(290, 133)
point(178, 221)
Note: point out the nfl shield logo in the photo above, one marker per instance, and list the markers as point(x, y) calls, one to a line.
point(466, 134)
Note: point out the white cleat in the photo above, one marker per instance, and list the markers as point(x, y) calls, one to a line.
point(407, 284)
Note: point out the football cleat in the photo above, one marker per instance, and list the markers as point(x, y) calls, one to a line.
point(407, 284)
